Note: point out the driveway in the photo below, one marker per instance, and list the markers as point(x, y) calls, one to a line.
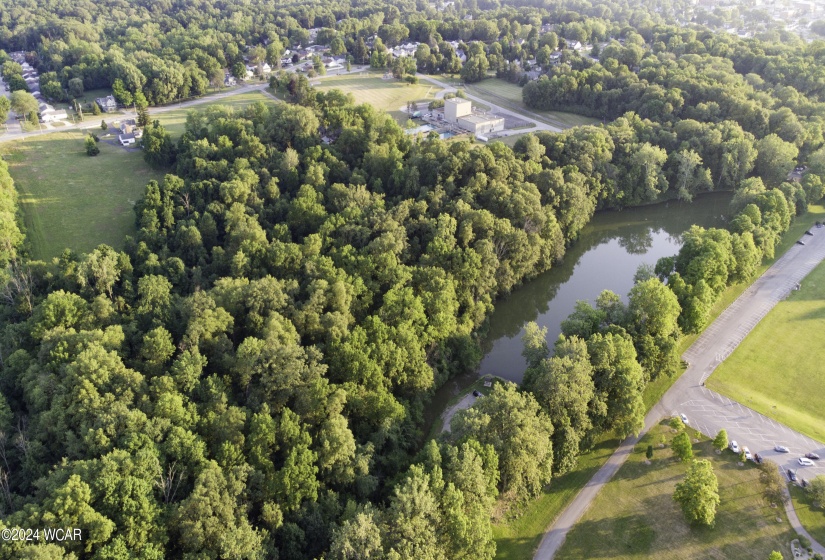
point(708, 411)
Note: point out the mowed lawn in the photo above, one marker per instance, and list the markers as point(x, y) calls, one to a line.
point(634, 516)
point(174, 120)
point(778, 369)
point(72, 200)
point(388, 95)
point(811, 516)
point(508, 95)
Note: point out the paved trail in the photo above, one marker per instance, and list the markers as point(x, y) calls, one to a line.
point(708, 411)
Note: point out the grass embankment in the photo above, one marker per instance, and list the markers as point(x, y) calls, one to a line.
point(70, 199)
point(387, 95)
point(518, 538)
point(812, 517)
point(635, 516)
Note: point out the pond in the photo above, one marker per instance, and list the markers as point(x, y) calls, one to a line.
point(605, 257)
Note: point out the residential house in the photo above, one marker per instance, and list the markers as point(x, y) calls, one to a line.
point(107, 104)
point(127, 139)
point(47, 113)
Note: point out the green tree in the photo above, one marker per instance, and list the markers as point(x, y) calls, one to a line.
point(76, 87)
point(519, 431)
point(358, 538)
point(23, 103)
point(817, 490)
point(563, 385)
point(91, 146)
point(698, 494)
point(212, 522)
point(682, 447)
point(720, 442)
point(158, 147)
point(103, 125)
point(5, 105)
point(775, 159)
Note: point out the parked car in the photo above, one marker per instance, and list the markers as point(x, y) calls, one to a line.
point(747, 453)
point(734, 446)
point(800, 242)
point(781, 449)
point(684, 419)
point(476, 393)
point(805, 462)
point(809, 232)
point(792, 475)
point(812, 456)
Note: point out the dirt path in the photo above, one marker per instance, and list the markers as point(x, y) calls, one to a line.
point(447, 415)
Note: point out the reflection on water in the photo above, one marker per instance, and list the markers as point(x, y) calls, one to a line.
point(605, 257)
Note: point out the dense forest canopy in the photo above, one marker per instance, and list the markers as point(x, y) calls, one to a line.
point(247, 377)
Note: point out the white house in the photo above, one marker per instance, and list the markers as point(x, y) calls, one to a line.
point(47, 113)
point(126, 139)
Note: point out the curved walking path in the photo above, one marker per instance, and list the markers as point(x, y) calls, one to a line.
point(708, 411)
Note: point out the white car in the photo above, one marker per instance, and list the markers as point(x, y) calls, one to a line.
point(805, 462)
point(781, 449)
point(684, 419)
point(734, 446)
point(747, 453)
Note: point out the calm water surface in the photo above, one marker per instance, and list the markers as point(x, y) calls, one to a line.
point(605, 257)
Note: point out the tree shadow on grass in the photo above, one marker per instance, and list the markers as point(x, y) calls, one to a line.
point(618, 536)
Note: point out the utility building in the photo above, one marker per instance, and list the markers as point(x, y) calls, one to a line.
point(456, 108)
point(481, 124)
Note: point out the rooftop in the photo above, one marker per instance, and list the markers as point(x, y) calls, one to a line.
point(480, 119)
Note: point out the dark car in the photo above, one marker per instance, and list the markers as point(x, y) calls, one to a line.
point(476, 393)
point(800, 242)
point(809, 232)
point(813, 456)
point(792, 475)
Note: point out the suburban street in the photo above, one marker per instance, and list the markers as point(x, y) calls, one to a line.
point(15, 131)
point(707, 411)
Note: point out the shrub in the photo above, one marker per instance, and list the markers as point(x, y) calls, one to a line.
point(649, 453)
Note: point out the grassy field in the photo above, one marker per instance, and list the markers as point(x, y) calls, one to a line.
point(508, 95)
point(790, 340)
point(387, 95)
point(811, 517)
point(72, 200)
point(635, 516)
point(175, 120)
point(517, 538)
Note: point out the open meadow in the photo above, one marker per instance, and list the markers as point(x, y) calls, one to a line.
point(72, 200)
point(635, 516)
point(388, 95)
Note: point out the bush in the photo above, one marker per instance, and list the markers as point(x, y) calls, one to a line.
point(677, 424)
point(804, 541)
point(649, 453)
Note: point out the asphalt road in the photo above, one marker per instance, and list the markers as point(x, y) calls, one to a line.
point(708, 411)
